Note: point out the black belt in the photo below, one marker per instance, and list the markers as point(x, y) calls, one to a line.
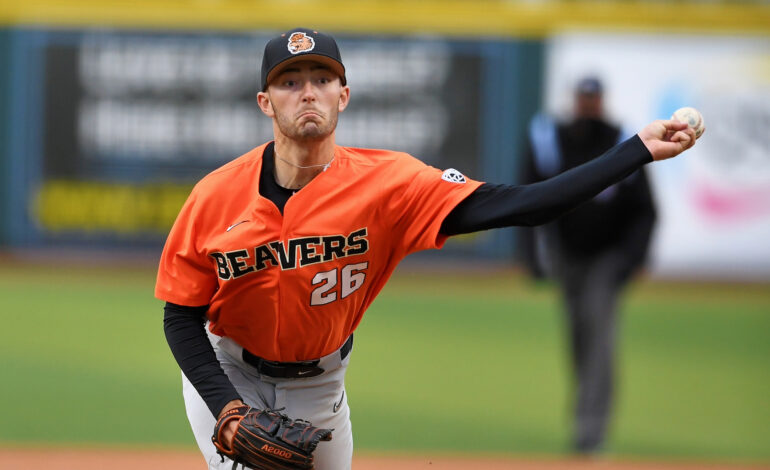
point(292, 370)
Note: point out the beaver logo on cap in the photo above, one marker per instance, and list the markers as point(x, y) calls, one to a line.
point(300, 42)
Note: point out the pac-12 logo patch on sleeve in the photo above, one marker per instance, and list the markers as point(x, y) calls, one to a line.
point(453, 176)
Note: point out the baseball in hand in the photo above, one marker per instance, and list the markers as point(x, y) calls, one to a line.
point(693, 119)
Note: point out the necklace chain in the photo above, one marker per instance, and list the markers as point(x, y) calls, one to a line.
point(325, 165)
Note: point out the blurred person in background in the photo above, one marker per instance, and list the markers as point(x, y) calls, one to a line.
point(592, 252)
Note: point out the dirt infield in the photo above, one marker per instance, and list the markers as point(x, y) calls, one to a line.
point(69, 459)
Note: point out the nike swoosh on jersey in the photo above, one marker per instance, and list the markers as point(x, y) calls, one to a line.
point(337, 405)
point(235, 225)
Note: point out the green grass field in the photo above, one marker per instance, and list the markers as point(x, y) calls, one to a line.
point(442, 362)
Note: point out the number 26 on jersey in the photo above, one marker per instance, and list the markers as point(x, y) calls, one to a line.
point(337, 283)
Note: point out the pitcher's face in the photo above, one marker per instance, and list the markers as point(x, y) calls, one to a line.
point(304, 100)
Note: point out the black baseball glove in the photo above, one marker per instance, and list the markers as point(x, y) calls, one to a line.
point(269, 440)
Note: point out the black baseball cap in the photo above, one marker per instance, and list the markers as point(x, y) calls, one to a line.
point(589, 86)
point(300, 44)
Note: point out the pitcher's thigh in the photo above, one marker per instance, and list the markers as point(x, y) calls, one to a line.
point(202, 423)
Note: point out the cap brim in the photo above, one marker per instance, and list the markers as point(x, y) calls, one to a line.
point(333, 65)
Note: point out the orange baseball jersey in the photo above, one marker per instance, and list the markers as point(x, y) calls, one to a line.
point(293, 287)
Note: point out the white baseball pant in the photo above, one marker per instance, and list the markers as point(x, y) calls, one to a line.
point(320, 400)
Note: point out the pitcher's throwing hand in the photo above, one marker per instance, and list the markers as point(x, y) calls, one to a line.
point(666, 139)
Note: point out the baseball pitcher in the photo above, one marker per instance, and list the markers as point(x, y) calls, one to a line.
point(275, 257)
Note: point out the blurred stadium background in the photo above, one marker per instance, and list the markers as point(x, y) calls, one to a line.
point(111, 110)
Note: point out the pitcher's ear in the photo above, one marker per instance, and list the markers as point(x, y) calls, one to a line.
point(344, 98)
point(263, 100)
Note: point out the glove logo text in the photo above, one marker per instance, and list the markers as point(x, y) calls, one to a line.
point(276, 451)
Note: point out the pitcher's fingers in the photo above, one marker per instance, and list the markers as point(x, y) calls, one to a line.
point(684, 138)
point(673, 124)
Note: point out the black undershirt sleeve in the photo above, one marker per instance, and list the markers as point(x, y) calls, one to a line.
point(499, 205)
point(186, 336)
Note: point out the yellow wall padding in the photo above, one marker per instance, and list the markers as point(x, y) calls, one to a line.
point(454, 18)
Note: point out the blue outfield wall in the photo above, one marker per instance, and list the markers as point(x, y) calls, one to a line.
point(105, 132)
point(5, 109)
point(512, 90)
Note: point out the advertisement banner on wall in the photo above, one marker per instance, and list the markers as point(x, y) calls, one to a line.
point(117, 126)
point(714, 201)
